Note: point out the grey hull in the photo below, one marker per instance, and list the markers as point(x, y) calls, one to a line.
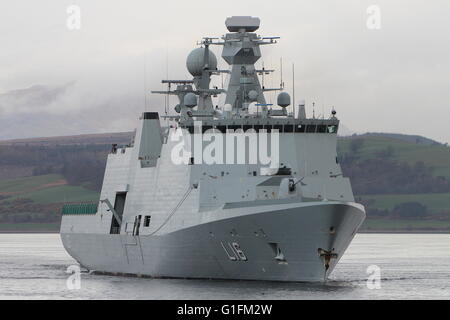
point(210, 250)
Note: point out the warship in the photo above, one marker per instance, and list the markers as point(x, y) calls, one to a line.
point(225, 188)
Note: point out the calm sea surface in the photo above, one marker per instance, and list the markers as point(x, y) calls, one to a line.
point(413, 266)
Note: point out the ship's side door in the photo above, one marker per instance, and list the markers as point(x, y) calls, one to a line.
point(119, 205)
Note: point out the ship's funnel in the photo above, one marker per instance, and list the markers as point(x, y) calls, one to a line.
point(301, 110)
point(151, 139)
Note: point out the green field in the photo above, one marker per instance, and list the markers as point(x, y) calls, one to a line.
point(33, 188)
point(27, 183)
point(60, 194)
point(436, 157)
point(435, 202)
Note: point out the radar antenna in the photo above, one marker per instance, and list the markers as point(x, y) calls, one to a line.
point(293, 88)
point(281, 73)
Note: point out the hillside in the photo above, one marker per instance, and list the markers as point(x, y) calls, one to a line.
point(33, 203)
point(403, 137)
point(400, 148)
point(44, 189)
point(404, 181)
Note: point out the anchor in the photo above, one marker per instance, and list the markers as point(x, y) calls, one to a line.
point(326, 256)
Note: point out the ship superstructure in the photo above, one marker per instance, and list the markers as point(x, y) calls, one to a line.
point(237, 190)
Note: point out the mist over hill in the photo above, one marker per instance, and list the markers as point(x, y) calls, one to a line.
point(45, 111)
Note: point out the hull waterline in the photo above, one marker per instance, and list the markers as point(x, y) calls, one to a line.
point(211, 250)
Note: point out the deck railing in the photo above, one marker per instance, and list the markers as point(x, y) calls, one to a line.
point(79, 208)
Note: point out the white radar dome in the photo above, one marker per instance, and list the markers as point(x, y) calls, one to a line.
point(194, 62)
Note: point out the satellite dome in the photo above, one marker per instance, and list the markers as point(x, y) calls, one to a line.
point(283, 99)
point(194, 62)
point(190, 100)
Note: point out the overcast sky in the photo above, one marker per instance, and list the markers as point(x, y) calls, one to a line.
point(395, 79)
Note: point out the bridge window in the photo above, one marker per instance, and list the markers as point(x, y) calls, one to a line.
point(332, 129)
point(222, 129)
point(205, 128)
point(278, 127)
point(147, 221)
point(288, 128)
point(299, 128)
point(321, 128)
point(258, 127)
point(284, 171)
point(234, 127)
point(311, 128)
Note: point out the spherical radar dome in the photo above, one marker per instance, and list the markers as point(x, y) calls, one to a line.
point(194, 62)
point(283, 99)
